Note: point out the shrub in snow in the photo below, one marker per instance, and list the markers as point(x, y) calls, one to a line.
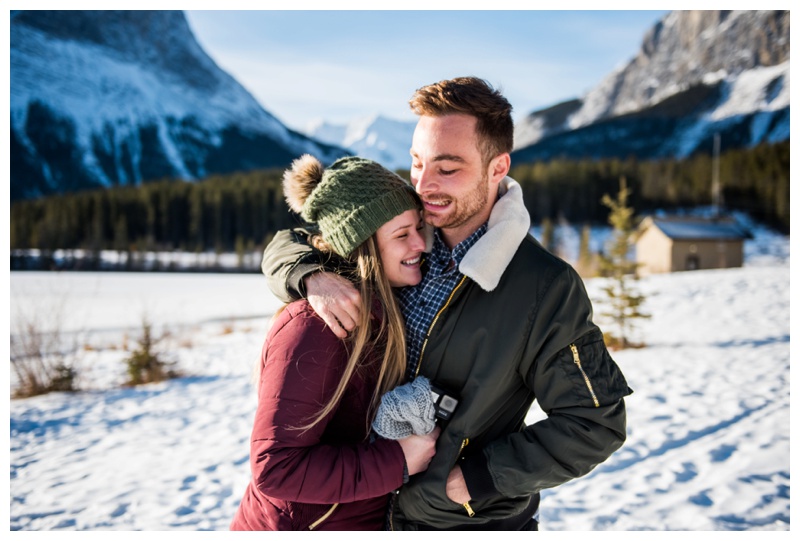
point(43, 358)
point(144, 364)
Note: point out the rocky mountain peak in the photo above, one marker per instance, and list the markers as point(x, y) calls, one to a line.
point(103, 98)
point(685, 48)
point(161, 40)
point(696, 73)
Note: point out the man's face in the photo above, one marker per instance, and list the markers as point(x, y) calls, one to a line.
point(448, 174)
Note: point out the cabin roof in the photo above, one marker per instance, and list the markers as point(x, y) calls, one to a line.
point(700, 229)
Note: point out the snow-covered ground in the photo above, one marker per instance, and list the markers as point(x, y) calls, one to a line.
point(708, 424)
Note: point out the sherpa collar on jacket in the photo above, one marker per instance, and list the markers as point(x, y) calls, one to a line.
point(509, 223)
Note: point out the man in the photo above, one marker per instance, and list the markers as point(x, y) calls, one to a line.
point(496, 322)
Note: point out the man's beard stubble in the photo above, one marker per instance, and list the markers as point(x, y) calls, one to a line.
point(466, 207)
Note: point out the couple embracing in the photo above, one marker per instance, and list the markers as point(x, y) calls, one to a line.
point(422, 322)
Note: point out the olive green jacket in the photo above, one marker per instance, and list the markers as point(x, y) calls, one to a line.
point(517, 328)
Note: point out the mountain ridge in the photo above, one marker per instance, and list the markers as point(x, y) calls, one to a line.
point(104, 98)
point(742, 57)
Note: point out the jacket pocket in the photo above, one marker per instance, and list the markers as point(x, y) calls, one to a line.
point(595, 376)
point(424, 499)
point(576, 358)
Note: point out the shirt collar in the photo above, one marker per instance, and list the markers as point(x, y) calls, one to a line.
point(442, 255)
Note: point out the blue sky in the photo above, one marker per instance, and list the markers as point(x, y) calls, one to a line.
point(337, 65)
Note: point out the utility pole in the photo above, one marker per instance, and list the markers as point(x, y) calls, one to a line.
point(716, 191)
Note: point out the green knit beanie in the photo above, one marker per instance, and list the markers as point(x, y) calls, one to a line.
point(353, 198)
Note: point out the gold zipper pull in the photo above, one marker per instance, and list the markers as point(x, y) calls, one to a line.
point(466, 505)
point(470, 512)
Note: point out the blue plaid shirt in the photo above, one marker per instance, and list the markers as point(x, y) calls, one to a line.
point(420, 303)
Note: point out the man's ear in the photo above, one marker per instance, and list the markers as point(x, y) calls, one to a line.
point(498, 167)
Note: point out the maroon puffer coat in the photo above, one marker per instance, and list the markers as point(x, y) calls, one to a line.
point(328, 477)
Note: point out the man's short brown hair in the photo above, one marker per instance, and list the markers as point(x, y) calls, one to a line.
point(475, 97)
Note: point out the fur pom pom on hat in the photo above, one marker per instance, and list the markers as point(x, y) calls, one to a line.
point(349, 200)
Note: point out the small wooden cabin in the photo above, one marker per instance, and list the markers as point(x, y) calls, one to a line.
point(678, 244)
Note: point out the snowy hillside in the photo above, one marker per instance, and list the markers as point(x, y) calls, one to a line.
point(105, 98)
point(708, 423)
point(375, 137)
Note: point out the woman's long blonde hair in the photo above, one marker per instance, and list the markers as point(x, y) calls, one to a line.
point(387, 340)
point(382, 337)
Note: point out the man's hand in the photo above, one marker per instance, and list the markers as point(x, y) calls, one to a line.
point(456, 488)
point(335, 299)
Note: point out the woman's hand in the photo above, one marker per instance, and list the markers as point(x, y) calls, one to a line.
point(419, 450)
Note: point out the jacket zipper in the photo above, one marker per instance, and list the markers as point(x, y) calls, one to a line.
point(433, 323)
point(466, 505)
point(416, 373)
point(324, 517)
point(577, 360)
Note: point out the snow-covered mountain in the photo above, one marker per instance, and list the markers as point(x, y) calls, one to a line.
point(375, 137)
point(101, 98)
point(697, 73)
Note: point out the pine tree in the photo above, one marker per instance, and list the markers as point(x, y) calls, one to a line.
point(624, 301)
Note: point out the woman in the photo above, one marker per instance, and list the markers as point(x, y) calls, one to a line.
point(314, 464)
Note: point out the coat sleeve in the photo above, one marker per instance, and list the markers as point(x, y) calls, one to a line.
point(580, 388)
point(302, 364)
point(287, 260)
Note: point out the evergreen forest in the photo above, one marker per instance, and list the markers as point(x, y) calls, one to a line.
point(241, 211)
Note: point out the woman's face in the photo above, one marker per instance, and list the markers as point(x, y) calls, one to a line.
point(401, 244)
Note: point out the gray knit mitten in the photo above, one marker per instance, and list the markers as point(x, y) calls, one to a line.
point(406, 410)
